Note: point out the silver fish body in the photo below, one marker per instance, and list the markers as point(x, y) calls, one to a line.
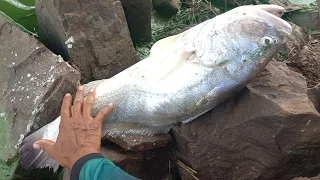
point(202, 68)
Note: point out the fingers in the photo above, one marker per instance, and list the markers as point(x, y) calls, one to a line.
point(88, 103)
point(45, 145)
point(104, 112)
point(66, 106)
point(78, 101)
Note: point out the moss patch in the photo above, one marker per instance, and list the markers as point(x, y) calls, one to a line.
point(23, 13)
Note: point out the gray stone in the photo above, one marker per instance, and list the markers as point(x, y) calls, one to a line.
point(138, 15)
point(306, 178)
point(94, 37)
point(139, 142)
point(307, 18)
point(33, 82)
point(314, 96)
point(270, 130)
point(288, 6)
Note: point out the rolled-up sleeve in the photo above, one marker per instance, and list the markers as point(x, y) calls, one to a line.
point(95, 167)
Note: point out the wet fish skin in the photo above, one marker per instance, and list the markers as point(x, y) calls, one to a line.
point(166, 42)
point(205, 66)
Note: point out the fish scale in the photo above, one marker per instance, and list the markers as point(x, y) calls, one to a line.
point(184, 77)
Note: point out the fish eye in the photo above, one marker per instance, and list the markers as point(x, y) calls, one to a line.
point(267, 41)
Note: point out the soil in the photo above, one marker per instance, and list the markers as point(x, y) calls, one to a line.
point(305, 58)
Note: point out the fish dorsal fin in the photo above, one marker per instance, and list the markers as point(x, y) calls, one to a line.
point(163, 44)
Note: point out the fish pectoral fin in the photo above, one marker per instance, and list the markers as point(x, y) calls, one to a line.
point(163, 70)
point(194, 117)
point(163, 44)
point(134, 128)
point(211, 95)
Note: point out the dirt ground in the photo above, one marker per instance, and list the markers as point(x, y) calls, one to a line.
point(305, 58)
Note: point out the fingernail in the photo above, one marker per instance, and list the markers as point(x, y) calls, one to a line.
point(91, 90)
point(110, 104)
point(67, 95)
point(80, 88)
point(36, 146)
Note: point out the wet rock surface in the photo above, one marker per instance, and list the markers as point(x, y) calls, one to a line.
point(140, 143)
point(33, 82)
point(269, 131)
point(138, 16)
point(94, 37)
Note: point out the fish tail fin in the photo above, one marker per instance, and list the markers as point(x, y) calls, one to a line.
point(133, 128)
point(30, 158)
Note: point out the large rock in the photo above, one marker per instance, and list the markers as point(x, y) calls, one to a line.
point(138, 15)
point(94, 36)
point(270, 130)
point(33, 82)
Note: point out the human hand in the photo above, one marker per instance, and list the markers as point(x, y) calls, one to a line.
point(79, 133)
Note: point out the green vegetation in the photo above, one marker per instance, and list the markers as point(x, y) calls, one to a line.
point(22, 12)
point(186, 17)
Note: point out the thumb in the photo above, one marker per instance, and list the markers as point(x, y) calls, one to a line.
point(43, 144)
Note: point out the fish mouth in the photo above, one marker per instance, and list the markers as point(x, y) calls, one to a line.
point(283, 26)
point(271, 13)
point(272, 8)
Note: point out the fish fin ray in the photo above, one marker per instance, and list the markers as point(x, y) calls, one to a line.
point(31, 158)
point(133, 128)
point(193, 117)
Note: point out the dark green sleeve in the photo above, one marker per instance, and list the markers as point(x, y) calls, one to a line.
point(95, 167)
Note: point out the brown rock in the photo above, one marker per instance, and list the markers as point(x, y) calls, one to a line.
point(166, 6)
point(138, 15)
point(306, 178)
point(314, 96)
point(93, 36)
point(139, 142)
point(307, 18)
point(144, 165)
point(288, 6)
point(33, 82)
point(270, 130)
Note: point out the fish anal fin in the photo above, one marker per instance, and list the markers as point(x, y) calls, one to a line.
point(134, 128)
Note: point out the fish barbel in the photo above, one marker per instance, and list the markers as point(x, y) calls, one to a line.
point(203, 67)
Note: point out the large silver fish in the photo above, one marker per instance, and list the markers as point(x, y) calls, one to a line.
point(202, 68)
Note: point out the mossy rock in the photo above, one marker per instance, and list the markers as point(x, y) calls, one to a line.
point(307, 18)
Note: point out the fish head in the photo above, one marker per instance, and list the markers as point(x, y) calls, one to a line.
point(252, 38)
